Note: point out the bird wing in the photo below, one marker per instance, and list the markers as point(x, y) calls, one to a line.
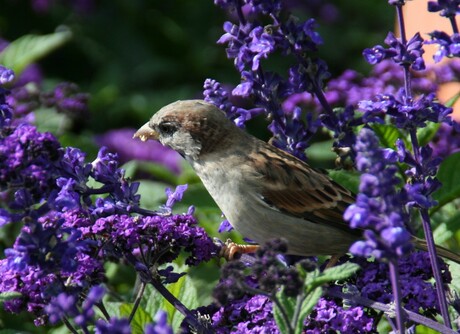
point(293, 187)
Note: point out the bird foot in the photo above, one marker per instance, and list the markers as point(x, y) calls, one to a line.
point(233, 251)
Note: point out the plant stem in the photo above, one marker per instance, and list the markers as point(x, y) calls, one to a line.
point(69, 326)
point(140, 292)
point(298, 308)
point(396, 287)
point(453, 22)
point(441, 295)
point(103, 310)
point(189, 316)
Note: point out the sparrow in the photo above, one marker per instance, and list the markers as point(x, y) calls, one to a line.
point(263, 191)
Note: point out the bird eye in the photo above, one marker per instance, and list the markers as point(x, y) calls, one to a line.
point(168, 128)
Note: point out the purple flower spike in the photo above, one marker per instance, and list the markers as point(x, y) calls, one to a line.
point(379, 207)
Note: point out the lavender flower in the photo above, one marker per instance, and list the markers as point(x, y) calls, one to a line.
point(68, 99)
point(379, 206)
point(248, 43)
point(113, 326)
point(448, 46)
point(6, 75)
point(447, 8)
point(407, 113)
point(405, 54)
point(161, 325)
point(67, 306)
point(445, 142)
point(175, 196)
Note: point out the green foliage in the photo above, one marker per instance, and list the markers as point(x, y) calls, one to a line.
point(388, 134)
point(450, 178)
point(346, 179)
point(31, 48)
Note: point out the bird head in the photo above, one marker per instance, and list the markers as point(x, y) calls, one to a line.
point(191, 127)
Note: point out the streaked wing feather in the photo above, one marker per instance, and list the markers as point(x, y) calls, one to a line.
point(293, 187)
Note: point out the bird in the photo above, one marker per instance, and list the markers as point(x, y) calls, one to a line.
point(263, 191)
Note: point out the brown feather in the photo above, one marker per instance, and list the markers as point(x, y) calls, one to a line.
point(293, 187)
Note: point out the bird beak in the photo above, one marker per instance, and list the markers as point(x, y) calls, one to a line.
point(145, 133)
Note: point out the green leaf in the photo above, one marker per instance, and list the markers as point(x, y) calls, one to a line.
point(388, 134)
point(152, 301)
point(340, 272)
point(113, 309)
point(447, 229)
point(30, 48)
point(453, 100)
point(307, 306)
point(426, 134)
point(333, 274)
point(152, 194)
point(449, 176)
point(4, 296)
point(288, 305)
point(346, 179)
point(140, 320)
point(186, 292)
point(321, 151)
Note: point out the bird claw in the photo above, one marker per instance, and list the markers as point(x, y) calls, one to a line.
point(233, 251)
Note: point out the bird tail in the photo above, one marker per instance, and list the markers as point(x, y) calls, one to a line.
point(443, 252)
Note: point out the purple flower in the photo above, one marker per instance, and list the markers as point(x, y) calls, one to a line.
point(261, 45)
point(6, 75)
point(27, 161)
point(446, 141)
point(409, 54)
point(120, 141)
point(67, 98)
point(225, 226)
point(161, 325)
point(86, 315)
point(248, 43)
point(63, 305)
point(418, 293)
point(292, 134)
point(379, 206)
point(329, 316)
point(266, 272)
point(407, 114)
point(157, 234)
point(113, 326)
point(448, 46)
point(175, 196)
point(447, 8)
